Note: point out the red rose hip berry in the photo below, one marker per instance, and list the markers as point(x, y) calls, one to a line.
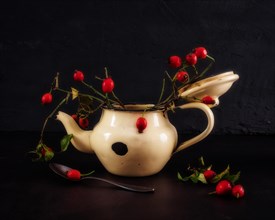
point(238, 191)
point(200, 52)
point(47, 98)
point(73, 174)
point(141, 124)
point(74, 116)
point(83, 122)
point(223, 187)
point(182, 76)
point(46, 150)
point(191, 59)
point(209, 175)
point(78, 76)
point(174, 61)
point(208, 100)
point(108, 85)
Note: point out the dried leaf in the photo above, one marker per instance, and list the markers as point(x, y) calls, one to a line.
point(74, 93)
point(57, 81)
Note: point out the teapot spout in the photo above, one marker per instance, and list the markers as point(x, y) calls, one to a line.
point(81, 138)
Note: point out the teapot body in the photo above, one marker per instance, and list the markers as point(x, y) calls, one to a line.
point(125, 151)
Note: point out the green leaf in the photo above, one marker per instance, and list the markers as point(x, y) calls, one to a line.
point(221, 175)
point(193, 178)
point(184, 179)
point(37, 157)
point(39, 147)
point(49, 154)
point(201, 161)
point(201, 178)
point(65, 141)
point(179, 177)
point(234, 177)
point(86, 100)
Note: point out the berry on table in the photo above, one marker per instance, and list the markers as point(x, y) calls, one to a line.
point(238, 191)
point(223, 187)
point(209, 175)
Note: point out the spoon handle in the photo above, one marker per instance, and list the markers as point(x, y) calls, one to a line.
point(133, 188)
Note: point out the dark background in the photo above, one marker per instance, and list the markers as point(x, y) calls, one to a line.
point(134, 39)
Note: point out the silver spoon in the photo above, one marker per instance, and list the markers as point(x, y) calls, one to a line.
point(62, 170)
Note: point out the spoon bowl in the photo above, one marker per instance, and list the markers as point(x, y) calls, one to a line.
point(62, 170)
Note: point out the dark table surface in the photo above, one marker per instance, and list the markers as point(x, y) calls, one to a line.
point(32, 191)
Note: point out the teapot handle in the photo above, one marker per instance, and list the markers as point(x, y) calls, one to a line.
point(208, 129)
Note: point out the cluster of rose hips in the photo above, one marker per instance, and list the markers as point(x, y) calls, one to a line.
point(224, 186)
point(46, 153)
point(225, 182)
point(190, 60)
point(107, 86)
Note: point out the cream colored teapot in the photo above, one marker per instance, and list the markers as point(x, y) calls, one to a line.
point(125, 151)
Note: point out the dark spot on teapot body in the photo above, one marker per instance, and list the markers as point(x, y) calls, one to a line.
point(120, 148)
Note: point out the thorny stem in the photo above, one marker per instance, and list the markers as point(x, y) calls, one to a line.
point(118, 100)
point(174, 96)
point(101, 95)
point(94, 90)
point(196, 71)
point(171, 95)
point(55, 83)
point(98, 107)
point(169, 77)
point(81, 94)
point(211, 58)
point(207, 68)
point(162, 91)
point(108, 101)
point(51, 114)
point(106, 72)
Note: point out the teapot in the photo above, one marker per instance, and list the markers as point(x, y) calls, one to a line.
point(125, 151)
